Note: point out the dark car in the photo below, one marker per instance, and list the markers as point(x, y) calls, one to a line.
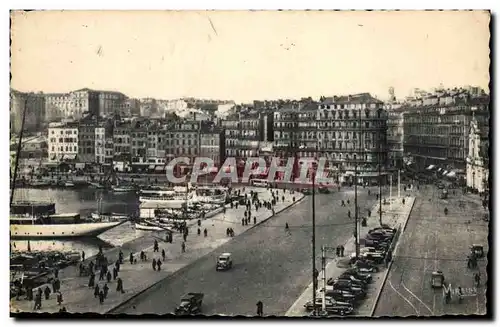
point(376, 258)
point(339, 295)
point(346, 285)
point(366, 265)
point(355, 282)
point(367, 278)
point(332, 306)
point(357, 273)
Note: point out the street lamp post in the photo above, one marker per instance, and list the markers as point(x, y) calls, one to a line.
point(313, 240)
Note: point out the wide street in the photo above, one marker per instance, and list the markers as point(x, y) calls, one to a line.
point(435, 241)
point(270, 265)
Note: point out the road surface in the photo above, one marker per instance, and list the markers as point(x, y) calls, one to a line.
point(435, 241)
point(270, 265)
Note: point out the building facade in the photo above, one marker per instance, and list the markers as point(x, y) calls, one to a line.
point(395, 137)
point(212, 143)
point(35, 111)
point(477, 171)
point(104, 145)
point(184, 139)
point(62, 141)
point(352, 134)
point(111, 102)
point(438, 134)
point(87, 139)
point(74, 104)
point(122, 138)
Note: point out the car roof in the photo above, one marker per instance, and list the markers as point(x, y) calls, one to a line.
point(225, 254)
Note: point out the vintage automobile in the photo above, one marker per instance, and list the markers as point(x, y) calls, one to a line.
point(437, 279)
point(354, 282)
point(354, 278)
point(346, 285)
point(331, 306)
point(357, 273)
point(190, 304)
point(365, 266)
point(224, 262)
point(339, 295)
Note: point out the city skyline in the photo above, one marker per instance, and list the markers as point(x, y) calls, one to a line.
point(217, 58)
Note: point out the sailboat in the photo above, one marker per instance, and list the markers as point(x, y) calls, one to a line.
point(39, 220)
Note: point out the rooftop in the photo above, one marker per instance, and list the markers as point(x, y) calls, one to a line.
point(359, 98)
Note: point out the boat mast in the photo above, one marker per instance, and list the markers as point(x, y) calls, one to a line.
point(19, 146)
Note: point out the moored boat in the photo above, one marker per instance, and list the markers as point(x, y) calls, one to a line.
point(148, 227)
point(123, 188)
point(39, 220)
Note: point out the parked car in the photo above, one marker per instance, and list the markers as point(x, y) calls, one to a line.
point(331, 306)
point(339, 295)
point(355, 282)
point(363, 264)
point(358, 274)
point(346, 275)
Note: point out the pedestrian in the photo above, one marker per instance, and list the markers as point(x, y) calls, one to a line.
point(199, 223)
point(91, 266)
point(115, 273)
point(242, 221)
point(477, 279)
point(199, 231)
point(47, 292)
point(105, 290)
point(38, 302)
point(154, 264)
point(183, 247)
point(254, 220)
point(163, 255)
point(348, 201)
point(120, 258)
point(158, 264)
point(59, 298)
point(131, 258)
point(227, 231)
point(142, 255)
point(96, 291)
point(83, 255)
point(337, 251)
point(101, 274)
point(155, 248)
point(108, 277)
point(119, 285)
point(101, 297)
point(184, 237)
point(91, 280)
point(117, 266)
point(349, 214)
point(56, 273)
point(260, 309)
point(341, 250)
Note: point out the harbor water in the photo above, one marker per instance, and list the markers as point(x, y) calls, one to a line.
point(84, 202)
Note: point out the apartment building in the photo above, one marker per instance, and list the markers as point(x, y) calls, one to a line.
point(62, 142)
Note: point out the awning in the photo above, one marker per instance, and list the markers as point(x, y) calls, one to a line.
point(445, 172)
point(159, 168)
point(79, 165)
point(152, 167)
point(452, 174)
point(430, 167)
point(70, 156)
point(440, 169)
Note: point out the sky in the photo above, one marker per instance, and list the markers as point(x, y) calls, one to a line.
point(248, 55)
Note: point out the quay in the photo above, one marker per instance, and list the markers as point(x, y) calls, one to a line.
point(78, 297)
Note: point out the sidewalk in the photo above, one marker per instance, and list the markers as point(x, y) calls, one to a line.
point(140, 276)
point(393, 215)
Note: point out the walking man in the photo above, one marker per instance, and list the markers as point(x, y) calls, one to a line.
point(260, 309)
point(156, 249)
point(183, 247)
point(163, 255)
